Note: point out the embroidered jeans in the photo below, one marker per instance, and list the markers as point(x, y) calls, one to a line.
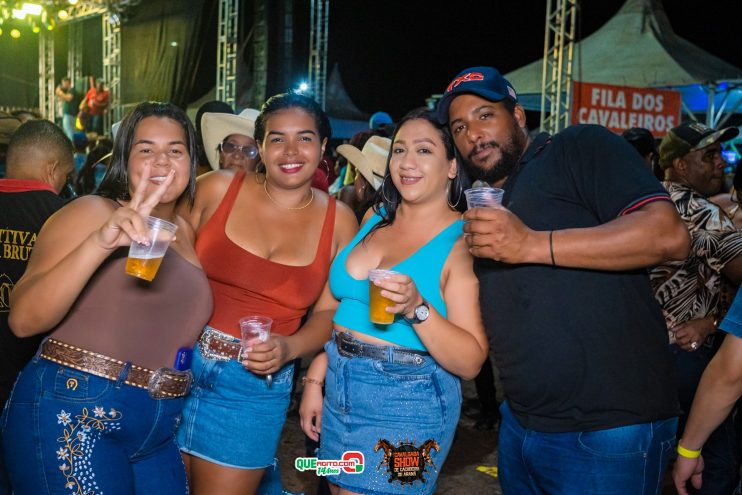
point(70, 432)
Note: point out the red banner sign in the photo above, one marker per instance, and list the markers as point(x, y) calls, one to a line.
point(621, 107)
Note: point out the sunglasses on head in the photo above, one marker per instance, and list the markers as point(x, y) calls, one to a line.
point(248, 151)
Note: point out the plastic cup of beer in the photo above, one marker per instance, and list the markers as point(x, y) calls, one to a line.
point(377, 303)
point(144, 260)
point(477, 197)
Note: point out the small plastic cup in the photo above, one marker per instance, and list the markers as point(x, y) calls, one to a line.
point(253, 330)
point(144, 260)
point(376, 302)
point(477, 197)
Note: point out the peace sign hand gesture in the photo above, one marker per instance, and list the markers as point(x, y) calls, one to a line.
point(128, 223)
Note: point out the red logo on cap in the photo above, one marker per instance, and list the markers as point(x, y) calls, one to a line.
point(468, 77)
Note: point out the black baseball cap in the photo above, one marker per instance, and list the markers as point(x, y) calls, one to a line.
point(486, 82)
point(690, 136)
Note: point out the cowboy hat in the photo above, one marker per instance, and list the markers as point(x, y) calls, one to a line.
point(371, 162)
point(215, 127)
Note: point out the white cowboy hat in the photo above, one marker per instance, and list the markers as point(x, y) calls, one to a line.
point(371, 162)
point(215, 127)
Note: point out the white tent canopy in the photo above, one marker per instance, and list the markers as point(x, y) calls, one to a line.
point(637, 47)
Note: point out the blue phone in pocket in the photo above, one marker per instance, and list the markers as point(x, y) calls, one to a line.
point(183, 359)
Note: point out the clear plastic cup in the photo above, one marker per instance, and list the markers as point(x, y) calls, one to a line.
point(144, 260)
point(376, 302)
point(253, 330)
point(477, 197)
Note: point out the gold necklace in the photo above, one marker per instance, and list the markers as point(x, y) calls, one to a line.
point(311, 198)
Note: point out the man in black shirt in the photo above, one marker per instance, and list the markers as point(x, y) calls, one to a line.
point(576, 333)
point(39, 162)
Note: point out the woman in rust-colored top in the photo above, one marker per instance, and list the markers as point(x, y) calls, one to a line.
point(266, 241)
point(95, 410)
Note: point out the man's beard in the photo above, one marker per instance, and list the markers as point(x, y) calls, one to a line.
point(510, 152)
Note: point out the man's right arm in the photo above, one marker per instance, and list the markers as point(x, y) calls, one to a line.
point(646, 237)
point(62, 94)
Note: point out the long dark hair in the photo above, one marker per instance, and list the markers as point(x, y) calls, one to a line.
point(291, 99)
point(387, 198)
point(115, 184)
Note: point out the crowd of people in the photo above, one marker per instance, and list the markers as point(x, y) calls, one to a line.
point(603, 296)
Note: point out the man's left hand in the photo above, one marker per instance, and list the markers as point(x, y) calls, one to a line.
point(690, 335)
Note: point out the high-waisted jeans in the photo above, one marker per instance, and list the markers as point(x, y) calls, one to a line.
point(69, 432)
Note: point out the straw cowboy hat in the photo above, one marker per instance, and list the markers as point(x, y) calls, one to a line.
point(215, 127)
point(371, 162)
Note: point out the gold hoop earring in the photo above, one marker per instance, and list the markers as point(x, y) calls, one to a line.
point(458, 199)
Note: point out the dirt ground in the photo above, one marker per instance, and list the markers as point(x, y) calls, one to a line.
point(471, 449)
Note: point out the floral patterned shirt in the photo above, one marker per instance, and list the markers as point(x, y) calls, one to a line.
point(695, 288)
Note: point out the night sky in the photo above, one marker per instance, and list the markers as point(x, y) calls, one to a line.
point(392, 54)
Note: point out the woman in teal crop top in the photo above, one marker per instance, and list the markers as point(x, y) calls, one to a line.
point(391, 385)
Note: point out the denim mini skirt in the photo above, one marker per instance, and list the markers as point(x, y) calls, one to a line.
point(399, 409)
point(232, 417)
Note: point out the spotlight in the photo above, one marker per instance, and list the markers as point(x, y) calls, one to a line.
point(1, 31)
point(73, 2)
point(36, 29)
point(173, 43)
point(51, 25)
point(303, 87)
point(19, 14)
point(15, 34)
point(63, 14)
point(32, 8)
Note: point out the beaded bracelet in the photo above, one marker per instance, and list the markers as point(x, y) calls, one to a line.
point(306, 380)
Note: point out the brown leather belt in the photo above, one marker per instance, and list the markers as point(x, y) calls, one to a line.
point(164, 383)
point(219, 345)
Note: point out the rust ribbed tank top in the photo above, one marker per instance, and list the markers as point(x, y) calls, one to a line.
point(245, 284)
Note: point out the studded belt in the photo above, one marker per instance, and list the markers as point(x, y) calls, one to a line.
point(164, 383)
point(349, 347)
point(219, 345)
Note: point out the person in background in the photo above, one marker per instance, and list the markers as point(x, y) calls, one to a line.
point(229, 140)
point(399, 382)
point(643, 141)
point(214, 106)
point(96, 409)
point(266, 240)
point(39, 161)
point(718, 391)
point(693, 292)
point(590, 401)
point(370, 164)
point(95, 105)
point(70, 103)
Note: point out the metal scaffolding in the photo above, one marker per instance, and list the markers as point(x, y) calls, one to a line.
point(74, 52)
point(47, 103)
point(318, 44)
point(260, 55)
point(112, 67)
point(226, 51)
point(556, 79)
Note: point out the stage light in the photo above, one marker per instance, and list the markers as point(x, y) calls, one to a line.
point(36, 29)
point(51, 25)
point(15, 34)
point(1, 31)
point(63, 14)
point(303, 87)
point(32, 8)
point(19, 14)
point(73, 2)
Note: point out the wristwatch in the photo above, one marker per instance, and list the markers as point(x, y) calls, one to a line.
point(421, 314)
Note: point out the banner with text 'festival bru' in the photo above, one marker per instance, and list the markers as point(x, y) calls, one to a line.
point(621, 107)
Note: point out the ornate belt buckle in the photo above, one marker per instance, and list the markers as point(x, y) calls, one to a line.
point(161, 378)
point(207, 351)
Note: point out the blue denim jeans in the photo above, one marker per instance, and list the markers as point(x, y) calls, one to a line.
point(618, 461)
point(65, 431)
point(68, 125)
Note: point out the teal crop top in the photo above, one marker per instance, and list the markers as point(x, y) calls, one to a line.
point(424, 266)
